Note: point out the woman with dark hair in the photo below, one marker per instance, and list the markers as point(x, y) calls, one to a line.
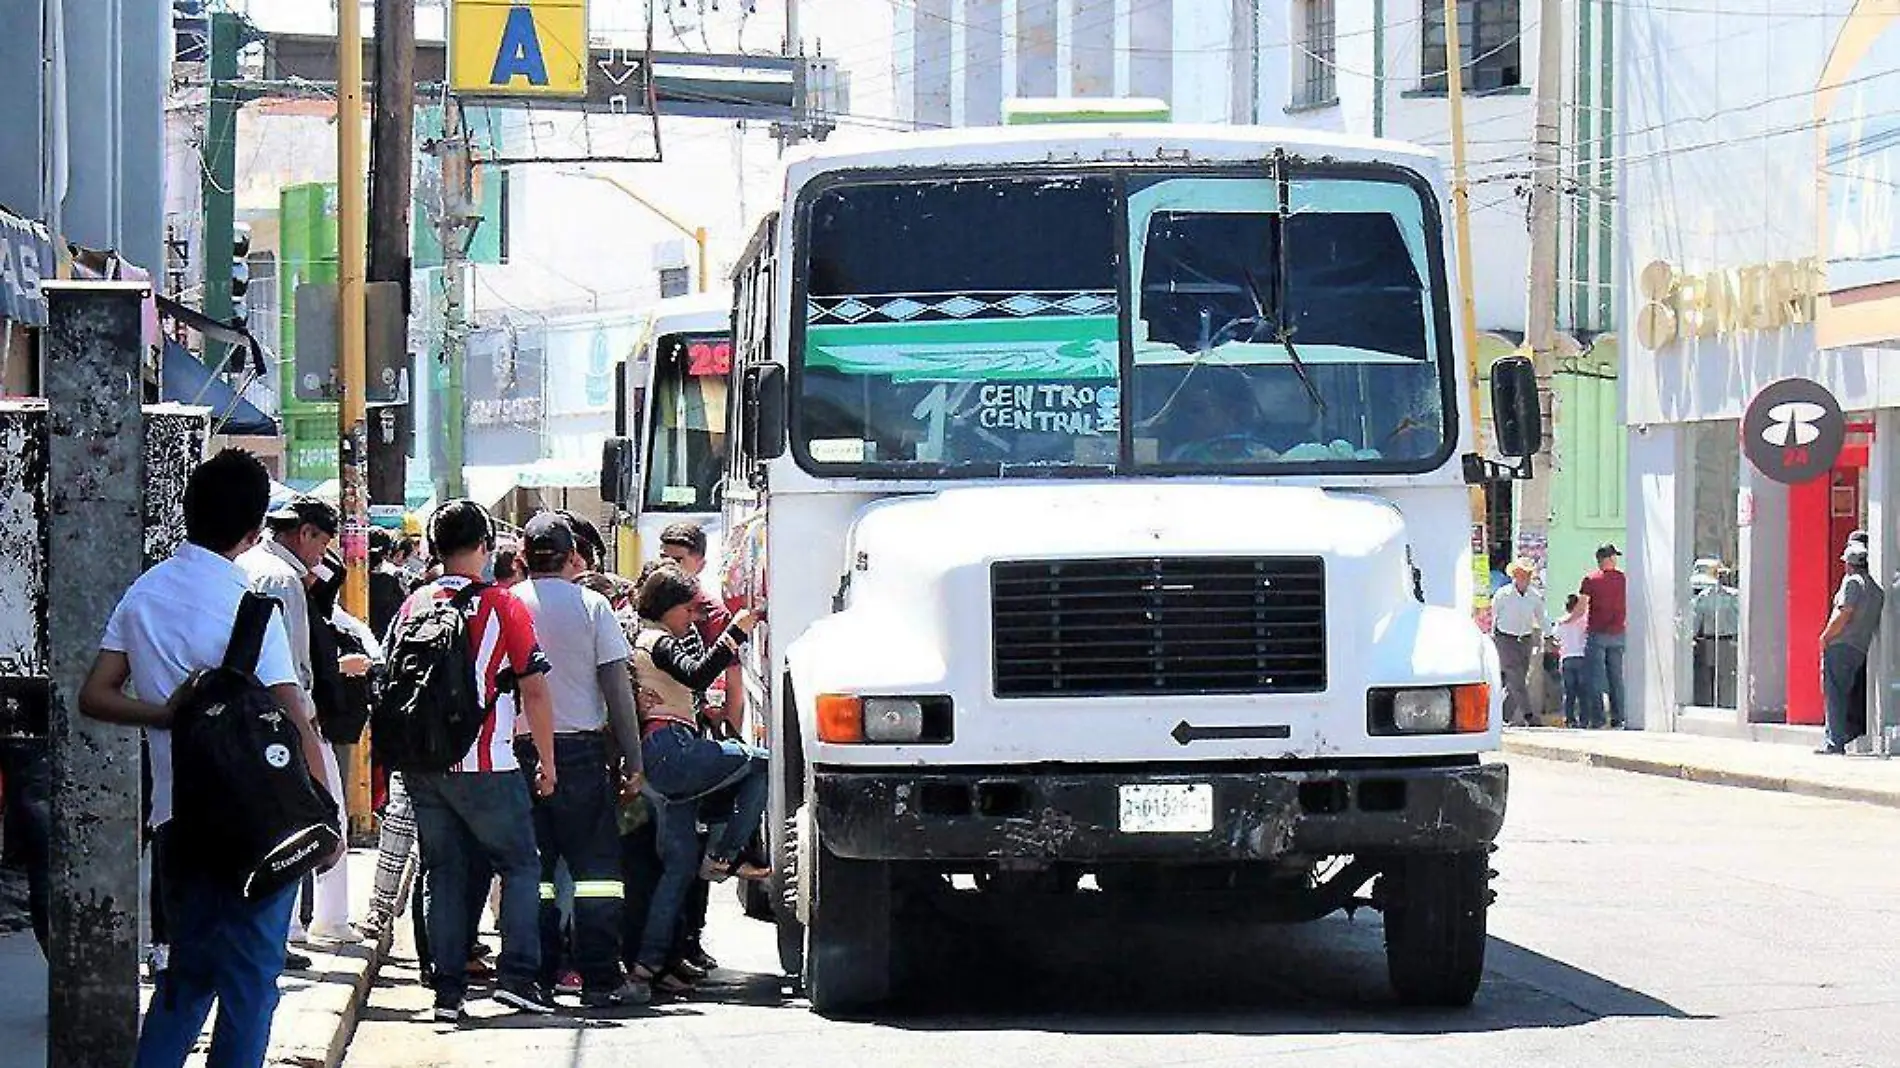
point(683, 767)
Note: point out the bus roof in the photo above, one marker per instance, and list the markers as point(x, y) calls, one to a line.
point(1097, 142)
point(696, 312)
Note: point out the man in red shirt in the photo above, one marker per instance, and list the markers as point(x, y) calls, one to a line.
point(1606, 593)
point(480, 809)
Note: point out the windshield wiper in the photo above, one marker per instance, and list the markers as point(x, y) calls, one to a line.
point(1282, 335)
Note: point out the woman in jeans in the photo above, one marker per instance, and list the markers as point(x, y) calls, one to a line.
point(683, 767)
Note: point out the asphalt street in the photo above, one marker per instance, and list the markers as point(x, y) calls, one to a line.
point(1640, 921)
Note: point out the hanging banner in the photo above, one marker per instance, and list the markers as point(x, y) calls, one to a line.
point(28, 258)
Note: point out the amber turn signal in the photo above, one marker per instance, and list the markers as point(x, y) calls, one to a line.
point(1471, 708)
point(840, 718)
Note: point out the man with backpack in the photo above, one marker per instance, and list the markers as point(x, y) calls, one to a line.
point(596, 730)
point(177, 621)
point(464, 659)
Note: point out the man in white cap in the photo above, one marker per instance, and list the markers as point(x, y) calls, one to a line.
point(1844, 644)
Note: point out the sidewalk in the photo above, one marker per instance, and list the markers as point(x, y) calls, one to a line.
point(1789, 769)
point(314, 1019)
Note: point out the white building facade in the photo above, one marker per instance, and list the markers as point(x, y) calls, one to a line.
point(1760, 193)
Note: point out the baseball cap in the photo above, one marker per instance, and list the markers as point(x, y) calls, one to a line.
point(304, 508)
point(547, 541)
point(1608, 550)
point(1855, 553)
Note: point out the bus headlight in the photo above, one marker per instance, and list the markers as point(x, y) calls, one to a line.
point(849, 719)
point(1430, 710)
point(1421, 711)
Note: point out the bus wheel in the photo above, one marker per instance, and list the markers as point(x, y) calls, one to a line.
point(1435, 906)
point(848, 952)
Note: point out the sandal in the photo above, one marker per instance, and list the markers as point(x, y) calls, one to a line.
point(664, 981)
point(718, 871)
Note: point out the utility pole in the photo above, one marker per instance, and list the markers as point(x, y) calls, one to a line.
point(352, 435)
point(392, 130)
point(95, 534)
point(1461, 220)
point(1540, 312)
point(455, 217)
point(794, 132)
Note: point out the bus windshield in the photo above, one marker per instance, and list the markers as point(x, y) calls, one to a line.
point(977, 325)
point(687, 447)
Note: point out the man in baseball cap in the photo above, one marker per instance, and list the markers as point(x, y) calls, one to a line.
point(1845, 640)
point(597, 754)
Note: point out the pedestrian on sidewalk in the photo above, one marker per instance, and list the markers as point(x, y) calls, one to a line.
point(686, 768)
point(173, 623)
point(284, 566)
point(1845, 641)
point(480, 807)
point(597, 751)
point(1605, 593)
point(1517, 623)
point(1572, 641)
point(26, 768)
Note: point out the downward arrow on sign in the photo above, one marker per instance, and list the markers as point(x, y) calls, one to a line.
point(627, 67)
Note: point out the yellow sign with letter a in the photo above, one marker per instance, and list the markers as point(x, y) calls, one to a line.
point(518, 47)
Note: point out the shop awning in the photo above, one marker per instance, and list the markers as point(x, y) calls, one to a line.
point(489, 484)
point(187, 381)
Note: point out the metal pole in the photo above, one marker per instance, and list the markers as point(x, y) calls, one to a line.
point(219, 180)
point(1461, 220)
point(353, 435)
point(1378, 68)
point(95, 526)
point(392, 131)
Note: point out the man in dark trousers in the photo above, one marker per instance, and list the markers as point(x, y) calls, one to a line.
point(1606, 591)
point(1845, 642)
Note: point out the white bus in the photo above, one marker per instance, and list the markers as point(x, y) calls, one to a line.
point(1114, 482)
point(673, 426)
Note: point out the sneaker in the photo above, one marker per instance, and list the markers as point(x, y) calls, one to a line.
point(525, 996)
point(690, 970)
point(449, 1012)
point(569, 982)
point(341, 934)
point(1830, 749)
point(702, 960)
point(631, 992)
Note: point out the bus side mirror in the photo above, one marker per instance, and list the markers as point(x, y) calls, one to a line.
point(765, 410)
point(617, 474)
point(1516, 415)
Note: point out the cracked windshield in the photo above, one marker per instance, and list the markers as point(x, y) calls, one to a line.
point(1274, 324)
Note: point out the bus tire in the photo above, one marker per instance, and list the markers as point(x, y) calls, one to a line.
point(848, 951)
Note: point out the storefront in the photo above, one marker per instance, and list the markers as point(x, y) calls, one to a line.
point(1759, 187)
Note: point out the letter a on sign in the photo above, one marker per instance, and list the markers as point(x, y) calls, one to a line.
point(520, 51)
point(518, 47)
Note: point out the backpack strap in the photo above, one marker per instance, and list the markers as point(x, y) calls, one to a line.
point(468, 594)
point(247, 632)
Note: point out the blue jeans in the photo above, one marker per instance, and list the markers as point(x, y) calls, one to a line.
point(1575, 686)
point(28, 772)
point(462, 816)
point(224, 948)
point(1604, 653)
point(1843, 687)
point(681, 769)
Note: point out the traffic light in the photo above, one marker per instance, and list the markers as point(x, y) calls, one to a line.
point(240, 273)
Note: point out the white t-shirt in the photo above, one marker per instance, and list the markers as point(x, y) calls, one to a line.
point(176, 620)
point(1571, 636)
point(578, 634)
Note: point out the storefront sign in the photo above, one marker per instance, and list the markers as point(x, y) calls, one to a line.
point(26, 257)
point(1793, 431)
point(1767, 296)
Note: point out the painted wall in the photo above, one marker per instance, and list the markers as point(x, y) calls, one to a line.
point(1587, 493)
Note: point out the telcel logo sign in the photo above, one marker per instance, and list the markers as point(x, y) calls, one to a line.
point(1767, 296)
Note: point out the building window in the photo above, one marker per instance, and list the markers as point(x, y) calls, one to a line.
point(1313, 28)
point(1488, 41)
point(675, 282)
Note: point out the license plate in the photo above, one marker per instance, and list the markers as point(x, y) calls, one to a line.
point(1170, 809)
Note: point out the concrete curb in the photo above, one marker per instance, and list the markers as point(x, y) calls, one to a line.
point(1702, 773)
point(314, 1026)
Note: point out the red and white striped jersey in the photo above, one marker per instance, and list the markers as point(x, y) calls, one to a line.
point(501, 632)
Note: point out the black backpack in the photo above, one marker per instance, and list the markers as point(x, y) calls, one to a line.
point(343, 701)
point(430, 711)
point(245, 808)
